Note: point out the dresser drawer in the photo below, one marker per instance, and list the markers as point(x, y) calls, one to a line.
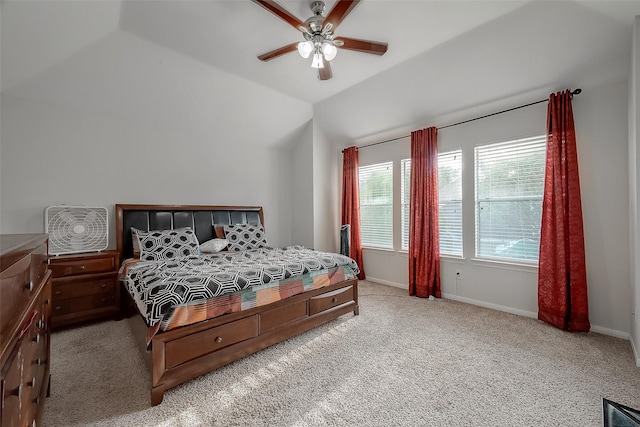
point(80, 304)
point(81, 286)
point(330, 299)
point(61, 268)
point(12, 391)
point(196, 345)
point(16, 292)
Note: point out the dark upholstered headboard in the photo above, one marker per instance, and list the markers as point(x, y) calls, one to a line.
point(167, 217)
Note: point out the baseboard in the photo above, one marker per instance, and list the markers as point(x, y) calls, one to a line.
point(492, 306)
point(635, 352)
point(388, 283)
point(525, 313)
point(610, 332)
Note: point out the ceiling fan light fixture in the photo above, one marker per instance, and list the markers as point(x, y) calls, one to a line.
point(305, 48)
point(329, 51)
point(317, 60)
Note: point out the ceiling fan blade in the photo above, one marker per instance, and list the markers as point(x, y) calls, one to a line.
point(365, 46)
point(325, 72)
point(283, 14)
point(340, 10)
point(278, 52)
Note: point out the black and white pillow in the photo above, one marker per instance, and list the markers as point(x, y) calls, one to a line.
point(245, 236)
point(156, 245)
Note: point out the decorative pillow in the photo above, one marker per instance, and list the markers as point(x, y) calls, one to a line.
point(245, 236)
point(214, 245)
point(159, 245)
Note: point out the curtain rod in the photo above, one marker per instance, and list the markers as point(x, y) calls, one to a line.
point(575, 92)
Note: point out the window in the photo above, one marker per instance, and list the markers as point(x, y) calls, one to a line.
point(450, 202)
point(449, 198)
point(405, 195)
point(509, 184)
point(376, 205)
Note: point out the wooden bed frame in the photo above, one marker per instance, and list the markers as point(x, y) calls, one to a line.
point(187, 352)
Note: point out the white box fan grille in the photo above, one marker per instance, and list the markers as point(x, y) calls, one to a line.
point(76, 229)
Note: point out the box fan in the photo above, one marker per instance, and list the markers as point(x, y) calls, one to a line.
point(76, 229)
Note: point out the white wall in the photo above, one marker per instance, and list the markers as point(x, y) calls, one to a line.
point(302, 185)
point(601, 127)
point(56, 155)
point(634, 188)
point(326, 194)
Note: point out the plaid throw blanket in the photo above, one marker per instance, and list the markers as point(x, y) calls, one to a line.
point(160, 286)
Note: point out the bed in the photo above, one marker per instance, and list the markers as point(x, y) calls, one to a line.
point(185, 338)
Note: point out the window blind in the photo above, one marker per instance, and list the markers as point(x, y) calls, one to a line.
point(509, 184)
point(450, 202)
point(376, 205)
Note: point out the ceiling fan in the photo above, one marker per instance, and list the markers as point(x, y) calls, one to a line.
point(319, 39)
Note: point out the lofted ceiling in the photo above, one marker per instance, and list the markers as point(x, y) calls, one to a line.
point(169, 60)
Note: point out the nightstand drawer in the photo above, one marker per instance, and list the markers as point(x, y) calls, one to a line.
point(85, 303)
point(80, 286)
point(82, 266)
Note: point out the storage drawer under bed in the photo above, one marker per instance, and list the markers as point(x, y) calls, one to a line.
point(330, 299)
point(193, 346)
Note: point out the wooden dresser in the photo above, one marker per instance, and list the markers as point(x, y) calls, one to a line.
point(25, 310)
point(85, 287)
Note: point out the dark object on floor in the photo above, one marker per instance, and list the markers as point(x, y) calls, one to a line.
point(345, 239)
point(617, 415)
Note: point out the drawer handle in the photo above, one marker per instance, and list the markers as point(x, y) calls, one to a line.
point(218, 339)
point(37, 339)
point(57, 292)
point(104, 285)
point(58, 308)
point(37, 402)
point(32, 383)
point(29, 286)
point(334, 299)
point(40, 324)
point(37, 362)
point(81, 267)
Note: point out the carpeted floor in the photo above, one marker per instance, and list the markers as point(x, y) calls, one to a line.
point(403, 361)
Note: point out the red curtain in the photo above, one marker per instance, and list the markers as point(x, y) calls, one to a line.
point(562, 276)
point(424, 243)
point(351, 204)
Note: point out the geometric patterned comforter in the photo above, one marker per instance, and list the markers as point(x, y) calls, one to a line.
point(160, 286)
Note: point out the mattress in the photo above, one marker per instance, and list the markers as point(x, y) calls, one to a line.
point(182, 291)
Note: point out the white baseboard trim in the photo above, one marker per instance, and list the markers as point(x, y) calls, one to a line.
point(610, 332)
point(635, 352)
point(492, 306)
point(525, 313)
point(388, 283)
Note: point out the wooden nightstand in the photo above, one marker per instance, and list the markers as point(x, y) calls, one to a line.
point(85, 287)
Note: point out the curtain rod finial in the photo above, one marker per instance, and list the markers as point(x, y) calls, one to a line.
point(578, 91)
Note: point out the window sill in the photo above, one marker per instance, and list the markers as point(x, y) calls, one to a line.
point(372, 248)
point(453, 259)
point(505, 265)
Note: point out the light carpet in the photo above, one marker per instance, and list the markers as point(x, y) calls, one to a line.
point(403, 361)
